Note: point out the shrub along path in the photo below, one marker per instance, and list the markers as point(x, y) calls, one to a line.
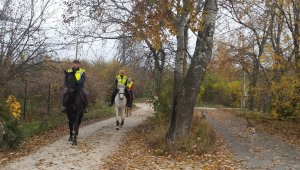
point(34, 143)
point(264, 151)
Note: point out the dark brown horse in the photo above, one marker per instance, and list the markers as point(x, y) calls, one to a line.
point(129, 103)
point(74, 106)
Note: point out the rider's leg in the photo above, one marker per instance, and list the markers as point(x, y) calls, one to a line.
point(64, 98)
point(127, 94)
point(85, 94)
point(112, 100)
point(131, 98)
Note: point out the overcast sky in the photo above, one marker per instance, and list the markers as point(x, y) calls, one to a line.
point(100, 49)
point(55, 30)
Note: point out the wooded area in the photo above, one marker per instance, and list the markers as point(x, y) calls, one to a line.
point(185, 52)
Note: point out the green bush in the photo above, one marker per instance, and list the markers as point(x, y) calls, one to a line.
point(219, 91)
point(162, 106)
point(13, 135)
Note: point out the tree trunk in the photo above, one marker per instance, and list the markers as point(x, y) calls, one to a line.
point(253, 84)
point(159, 61)
point(181, 22)
point(179, 60)
point(296, 11)
point(158, 81)
point(159, 66)
point(182, 112)
point(185, 57)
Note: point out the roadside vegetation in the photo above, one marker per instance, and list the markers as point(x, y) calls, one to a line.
point(30, 106)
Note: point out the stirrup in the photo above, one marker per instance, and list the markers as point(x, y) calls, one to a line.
point(63, 109)
point(85, 110)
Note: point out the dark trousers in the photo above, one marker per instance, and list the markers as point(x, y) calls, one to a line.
point(115, 92)
point(129, 103)
point(84, 93)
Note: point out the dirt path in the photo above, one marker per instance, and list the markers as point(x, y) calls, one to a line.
point(95, 142)
point(262, 152)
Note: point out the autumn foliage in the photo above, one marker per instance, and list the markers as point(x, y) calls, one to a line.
point(11, 113)
point(286, 98)
point(14, 107)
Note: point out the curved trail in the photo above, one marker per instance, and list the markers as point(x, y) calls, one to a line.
point(262, 152)
point(95, 142)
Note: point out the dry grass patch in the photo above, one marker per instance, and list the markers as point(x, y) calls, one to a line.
point(200, 141)
point(145, 148)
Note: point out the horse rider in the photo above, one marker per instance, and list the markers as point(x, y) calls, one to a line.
point(80, 77)
point(130, 86)
point(121, 79)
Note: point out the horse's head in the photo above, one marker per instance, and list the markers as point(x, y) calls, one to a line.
point(70, 80)
point(121, 91)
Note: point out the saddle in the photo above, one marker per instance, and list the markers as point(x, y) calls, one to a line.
point(81, 96)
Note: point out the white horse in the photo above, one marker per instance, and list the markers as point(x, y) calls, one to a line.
point(120, 106)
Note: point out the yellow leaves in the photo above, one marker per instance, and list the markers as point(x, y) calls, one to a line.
point(14, 106)
point(152, 21)
point(235, 86)
point(298, 38)
point(273, 58)
point(286, 98)
point(197, 25)
point(155, 20)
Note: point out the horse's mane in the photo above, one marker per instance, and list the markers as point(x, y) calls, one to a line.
point(70, 79)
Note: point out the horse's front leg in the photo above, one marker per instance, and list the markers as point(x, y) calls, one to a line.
point(76, 126)
point(122, 115)
point(117, 118)
point(71, 121)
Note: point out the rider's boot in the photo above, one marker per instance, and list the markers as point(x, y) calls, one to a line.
point(85, 110)
point(63, 109)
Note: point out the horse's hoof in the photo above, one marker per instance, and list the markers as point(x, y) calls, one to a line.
point(74, 143)
point(117, 128)
point(70, 139)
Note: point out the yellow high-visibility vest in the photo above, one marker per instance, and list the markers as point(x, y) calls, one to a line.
point(121, 80)
point(78, 73)
point(129, 85)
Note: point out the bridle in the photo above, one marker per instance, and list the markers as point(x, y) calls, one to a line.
point(71, 87)
point(123, 93)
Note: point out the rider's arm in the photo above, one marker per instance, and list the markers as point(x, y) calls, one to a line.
point(126, 83)
point(82, 80)
point(65, 83)
point(116, 83)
